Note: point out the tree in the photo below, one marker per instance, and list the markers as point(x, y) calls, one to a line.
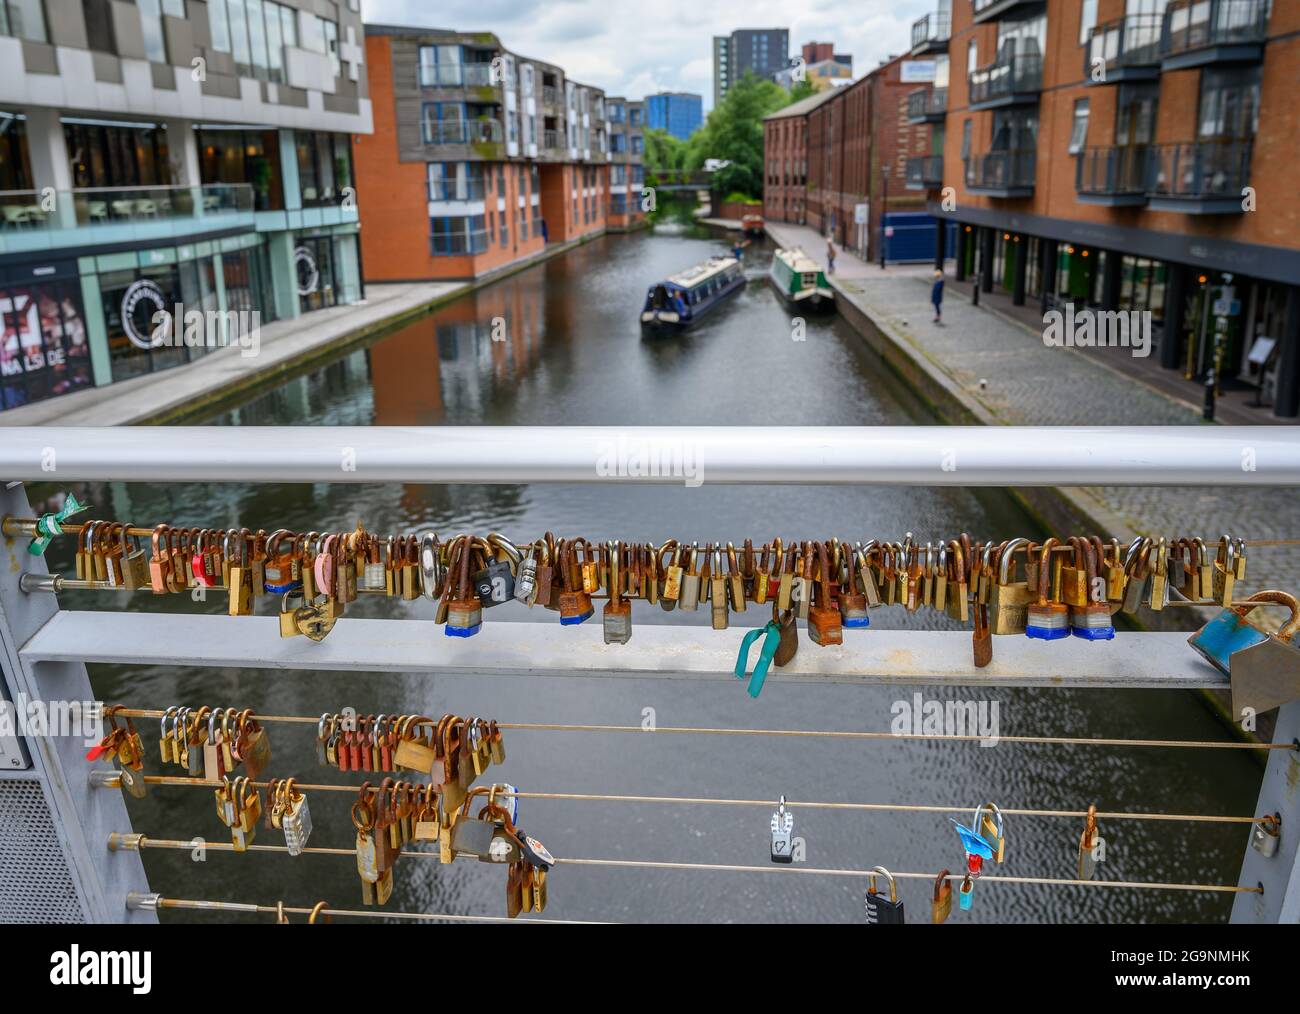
point(733, 132)
point(664, 155)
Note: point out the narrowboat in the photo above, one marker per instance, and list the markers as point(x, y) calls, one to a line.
point(681, 299)
point(752, 224)
point(800, 280)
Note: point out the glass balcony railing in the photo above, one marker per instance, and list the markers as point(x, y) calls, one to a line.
point(1114, 172)
point(1124, 43)
point(926, 104)
point(1191, 25)
point(456, 75)
point(120, 211)
point(989, 9)
point(1002, 170)
point(485, 131)
point(1010, 77)
point(931, 30)
point(924, 172)
point(1200, 169)
point(554, 140)
point(551, 95)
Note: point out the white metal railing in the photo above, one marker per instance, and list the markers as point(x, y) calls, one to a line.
point(841, 455)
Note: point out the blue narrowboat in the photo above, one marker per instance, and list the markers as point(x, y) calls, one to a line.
point(681, 299)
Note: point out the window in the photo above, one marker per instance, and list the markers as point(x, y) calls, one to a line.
point(1229, 103)
point(324, 166)
point(155, 49)
point(1079, 132)
point(455, 181)
point(330, 30)
point(101, 154)
point(440, 65)
point(244, 156)
point(1087, 21)
point(99, 25)
point(257, 40)
point(462, 235)
point(972, 57)
point(1135, 114)
point(638, 145)
point(965, 140)
point(23, 19)
point(43, 347)
point(444, 123)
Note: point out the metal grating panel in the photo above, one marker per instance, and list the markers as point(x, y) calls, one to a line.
point(35, 883)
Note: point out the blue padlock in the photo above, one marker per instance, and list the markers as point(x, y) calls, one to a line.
point(1231, 631)
point(966, 894)
point(1047, 620)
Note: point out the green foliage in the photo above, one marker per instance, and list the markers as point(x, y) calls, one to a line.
point(736, 197)
point(802, 90)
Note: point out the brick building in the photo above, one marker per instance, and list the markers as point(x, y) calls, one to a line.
point(1129, 155)
point(855, 142)
point(480, 157)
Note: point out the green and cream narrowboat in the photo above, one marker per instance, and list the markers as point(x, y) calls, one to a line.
point(800, 281)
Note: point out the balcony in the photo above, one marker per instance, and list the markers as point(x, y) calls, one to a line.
point(930, 33)
point(1199, 177)
point(924, 173)
point(927, 105)
point(551, 96)
point(1002, 173)
point(481, 135)
point(33, 220)
point(991, 10)
point(1116, 177)
point(1126, 49)
point(456, 75)
point(1014, 79)
point(554, 140)
point(1200, 32)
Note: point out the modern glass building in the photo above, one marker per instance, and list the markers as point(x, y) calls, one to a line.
point(679, 113)
point(162, 153)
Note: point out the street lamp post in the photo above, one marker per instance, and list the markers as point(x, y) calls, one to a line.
point(884, 208)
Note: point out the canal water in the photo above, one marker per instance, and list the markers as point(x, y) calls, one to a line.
point(572, 354)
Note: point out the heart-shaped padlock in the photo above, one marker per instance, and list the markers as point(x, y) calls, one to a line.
point(313, 621)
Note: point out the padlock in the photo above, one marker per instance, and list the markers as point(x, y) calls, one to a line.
point(966, 894)
point(1046, 619)
point(882, 911)
point(941, 905)
point(575, 603)
point(714, 581)
point(688, 596)
point(735, 580)
point(433, 575)
point(135, 568)
point(1266, 674)
point(464, 611)
point(1091, 621)
point(1137, 575)
point(241, 576)
point(958, 603)
point(526, 578)
point(1088, 846)
point(616, 618)
point(375, 576)
point(1266, 834)
point(852, 601)
point(824, 623)
point(1159, 591)
point(280, 574)
point(866, 557)
point(495, 583)
point(1009, 599)
point(1232, 630)
point(295, 821)
point(782, 834)
point(160, 567)
point(988, 825)
point(1224, 577)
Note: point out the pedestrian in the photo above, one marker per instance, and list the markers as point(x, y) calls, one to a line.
point(830, 256)
point(936, 296)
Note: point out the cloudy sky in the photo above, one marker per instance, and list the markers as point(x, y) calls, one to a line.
point(634, 47)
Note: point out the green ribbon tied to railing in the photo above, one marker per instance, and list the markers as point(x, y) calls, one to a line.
point(50, 524)
point(771, 634)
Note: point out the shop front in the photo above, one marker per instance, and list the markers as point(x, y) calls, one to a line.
point(45, 350)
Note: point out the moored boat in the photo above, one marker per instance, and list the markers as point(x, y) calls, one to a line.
point(681, 299)
point(800, 280)
point(752, 224)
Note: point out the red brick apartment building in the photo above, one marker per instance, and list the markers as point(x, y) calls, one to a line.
point(840, 149)
point(481, 157)
point(1127, 155)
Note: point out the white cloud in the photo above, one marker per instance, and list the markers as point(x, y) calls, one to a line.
point(630, 47)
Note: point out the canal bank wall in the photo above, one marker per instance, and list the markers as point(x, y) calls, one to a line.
point(286, 349)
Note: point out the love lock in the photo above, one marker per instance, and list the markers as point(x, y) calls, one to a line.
point(313, 621)
point(1264, 668)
